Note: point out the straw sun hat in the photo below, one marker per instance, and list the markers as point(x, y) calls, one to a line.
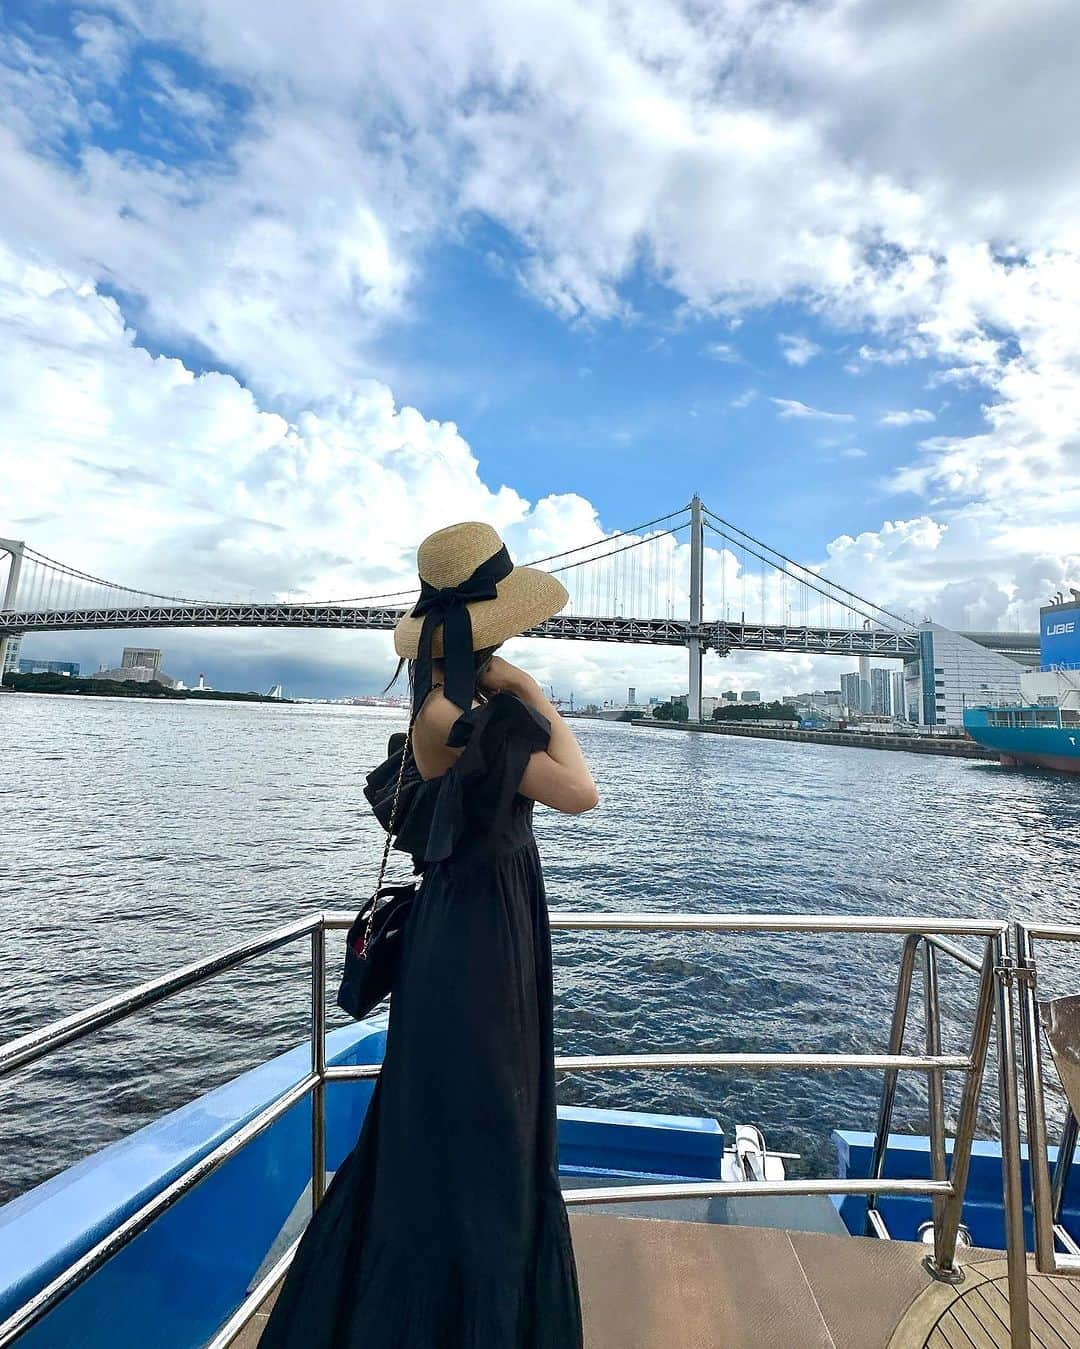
point(472, 556)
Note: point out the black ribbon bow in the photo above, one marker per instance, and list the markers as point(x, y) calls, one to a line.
point(447, 605)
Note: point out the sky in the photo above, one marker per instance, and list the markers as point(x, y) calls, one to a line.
point(285, 288)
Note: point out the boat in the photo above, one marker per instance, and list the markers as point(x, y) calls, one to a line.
point(178, 1235)
point(1042, 729)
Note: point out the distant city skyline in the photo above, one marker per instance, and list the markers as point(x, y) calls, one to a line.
point(307, 677)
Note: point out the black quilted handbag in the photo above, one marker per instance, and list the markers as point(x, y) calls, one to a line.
point(373, 945)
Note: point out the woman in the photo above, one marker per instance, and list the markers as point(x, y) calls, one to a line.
point(445, 1227)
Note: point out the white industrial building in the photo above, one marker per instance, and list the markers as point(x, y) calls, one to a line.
point(953, 672)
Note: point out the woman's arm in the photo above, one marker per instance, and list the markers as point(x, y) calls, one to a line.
point(558, 776)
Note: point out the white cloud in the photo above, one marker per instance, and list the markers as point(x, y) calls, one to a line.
point(797, 349)
point(744, 399)
point(791, 407)
point(228, 497)
point(885, 355)
point(722, 351)
point(858, 159)
point(853, 453)
point(906, 417)
point(133, 467)
point(963, 569)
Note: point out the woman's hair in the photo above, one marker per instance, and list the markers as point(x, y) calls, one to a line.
point(480, 659)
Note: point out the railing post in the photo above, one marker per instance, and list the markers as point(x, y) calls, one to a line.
point(888, 1091)
point(1035, 1108)
point(935, 1085)
point(1019, 1311)
point(943, 1264)
point(1066, 1151)
point(318, 1065)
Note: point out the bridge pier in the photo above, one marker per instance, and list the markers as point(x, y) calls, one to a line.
point(693, 643)
point(14, 549)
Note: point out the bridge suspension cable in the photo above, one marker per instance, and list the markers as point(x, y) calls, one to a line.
point(47, 584)
point(636, 575)
point(45, 564)
point(610, 538)
point(539, 561)
point(802, 575)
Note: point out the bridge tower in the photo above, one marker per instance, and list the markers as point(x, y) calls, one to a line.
point(693, 642)
point(15, 550)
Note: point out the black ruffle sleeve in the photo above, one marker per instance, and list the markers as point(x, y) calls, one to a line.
point(475, 796)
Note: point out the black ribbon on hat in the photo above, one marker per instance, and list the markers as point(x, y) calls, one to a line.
point(447, 605)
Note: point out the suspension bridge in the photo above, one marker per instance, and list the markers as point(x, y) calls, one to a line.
point(689, 578)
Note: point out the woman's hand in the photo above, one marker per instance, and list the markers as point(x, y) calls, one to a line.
point(558, 776)
point(499, 675)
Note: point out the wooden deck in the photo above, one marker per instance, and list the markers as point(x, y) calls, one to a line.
point(977, 1315)
point(651, 1283)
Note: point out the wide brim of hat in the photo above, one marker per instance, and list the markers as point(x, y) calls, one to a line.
point(526, 597)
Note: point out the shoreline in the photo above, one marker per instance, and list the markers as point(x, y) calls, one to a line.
point(151, 691)
point(913, 744)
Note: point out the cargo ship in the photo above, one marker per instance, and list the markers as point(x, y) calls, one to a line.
point(1042, 730)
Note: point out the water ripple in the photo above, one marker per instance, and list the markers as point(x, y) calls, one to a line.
point(138, 836)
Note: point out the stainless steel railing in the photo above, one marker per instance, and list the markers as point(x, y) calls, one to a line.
point(29, 1048)
point(931, 945)
point(946, 1191)
point(1047, 1195)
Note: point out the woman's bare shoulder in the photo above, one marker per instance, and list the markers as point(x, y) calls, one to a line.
point(436, 717)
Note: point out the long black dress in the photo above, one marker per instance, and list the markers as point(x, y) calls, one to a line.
point(445, 1227)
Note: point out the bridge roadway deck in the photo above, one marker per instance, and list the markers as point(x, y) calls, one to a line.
point(718, 635)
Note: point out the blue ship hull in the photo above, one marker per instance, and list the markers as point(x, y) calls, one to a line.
point(1015, 735)
point(177, 1282)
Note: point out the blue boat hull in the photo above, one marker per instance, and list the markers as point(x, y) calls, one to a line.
point(1054, 747)
point(178, 1281)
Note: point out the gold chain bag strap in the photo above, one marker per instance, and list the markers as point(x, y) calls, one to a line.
point(388, 842)
point(373, 945)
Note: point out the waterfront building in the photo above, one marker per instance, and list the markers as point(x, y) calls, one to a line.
point(140, 665)
point(856, 688)
point(141, 657)
point(11, 652)
point(821, 700)
point(880, 692)
point(952, 671)
point(850, 692)
point(709, 704)
point(64, 667)
point(750, 696)
point(865, 688)
point(631, 696)
point(730, 696)
point(896, 687)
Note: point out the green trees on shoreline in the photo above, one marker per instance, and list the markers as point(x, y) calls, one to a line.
point(123, 688)
point(671, 711)
point(774, 711)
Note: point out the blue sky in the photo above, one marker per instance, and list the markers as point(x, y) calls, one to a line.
point(289, 294)
point(612, 410)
